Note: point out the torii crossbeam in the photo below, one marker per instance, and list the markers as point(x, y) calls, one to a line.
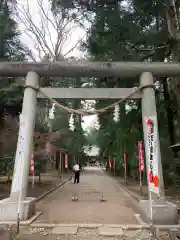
point(89, 93)
point(89, 69)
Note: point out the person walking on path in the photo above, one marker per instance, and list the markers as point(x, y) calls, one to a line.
point(76, 170)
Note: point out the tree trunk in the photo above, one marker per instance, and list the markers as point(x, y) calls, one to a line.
point(174, 32)
point(169, 112)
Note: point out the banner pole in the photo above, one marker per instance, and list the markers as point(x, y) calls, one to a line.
point(125, 167)
point(151, 209)
point(33, 183)
point(140, 174)
point(114, 167)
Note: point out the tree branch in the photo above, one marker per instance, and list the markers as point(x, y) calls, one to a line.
point(61, 25)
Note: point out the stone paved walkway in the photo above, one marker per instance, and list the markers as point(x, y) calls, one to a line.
point(58, 207)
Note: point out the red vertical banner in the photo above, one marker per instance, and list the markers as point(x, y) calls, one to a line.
point(112, 163)
point(32, 164)
point(110, 166)
point(141, 156)
point(152, 156)
point(125, 160)
point(66, 161)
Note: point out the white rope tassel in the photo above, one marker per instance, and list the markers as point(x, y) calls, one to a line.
point(51, 111)
point(116, 113)
point(71, 122)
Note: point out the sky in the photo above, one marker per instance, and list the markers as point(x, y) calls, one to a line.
point(31, 43)
point(34, 11)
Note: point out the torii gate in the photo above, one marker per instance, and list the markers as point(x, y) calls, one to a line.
point(165, 212)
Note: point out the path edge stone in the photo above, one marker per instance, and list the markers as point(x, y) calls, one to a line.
point(45, 194)
point(60, 230)
point(110, 231)
point(23, 223)
point(133, 195)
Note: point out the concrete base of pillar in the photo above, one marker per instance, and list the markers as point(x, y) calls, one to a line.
point(9, 209)
point(164, 212)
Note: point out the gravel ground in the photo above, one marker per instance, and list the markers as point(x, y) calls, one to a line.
point(83, 234)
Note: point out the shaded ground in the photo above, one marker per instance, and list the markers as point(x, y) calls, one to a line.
point(171, 193)
point(48, 181)
point(58, 207)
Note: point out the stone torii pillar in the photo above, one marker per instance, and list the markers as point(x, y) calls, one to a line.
point(156, 209)
point(18, 200)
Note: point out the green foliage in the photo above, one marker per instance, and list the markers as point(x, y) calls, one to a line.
point(6, 166)
point(11, 49)
point(72, 141)
point(135, 32)
point(92, 136)
point(40, 166)
point(10, 45)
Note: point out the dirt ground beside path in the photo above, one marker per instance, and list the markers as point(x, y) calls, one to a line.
point(48, 181)
point(171, 193)
point(58, 207)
